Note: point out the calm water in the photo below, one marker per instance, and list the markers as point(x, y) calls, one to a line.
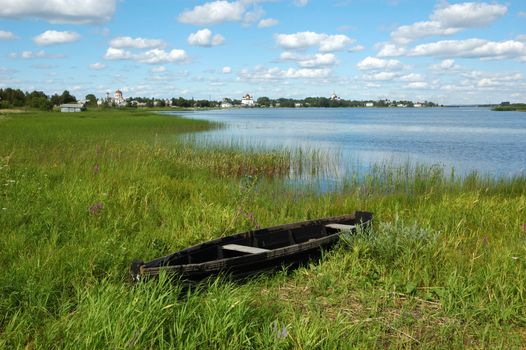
point(465, 139)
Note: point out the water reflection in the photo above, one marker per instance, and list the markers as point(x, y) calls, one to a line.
point(466, 139)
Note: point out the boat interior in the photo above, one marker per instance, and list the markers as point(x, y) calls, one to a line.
point(255, 242)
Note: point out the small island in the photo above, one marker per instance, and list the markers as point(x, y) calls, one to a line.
point(510, 107)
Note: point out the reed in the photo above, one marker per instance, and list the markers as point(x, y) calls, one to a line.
point(82, 195)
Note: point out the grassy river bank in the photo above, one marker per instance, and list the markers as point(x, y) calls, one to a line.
point(81, 195)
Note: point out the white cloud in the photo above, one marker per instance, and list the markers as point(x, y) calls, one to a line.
point(369, 63)
point(213, 13)
point(154, 56)
point(6, 35)
point(253, 16)
point(303, 40)
point(381, 76)
point(472, 48)
point(137, 43)
point(390, 50)
point(32, 55)
point(412, 77)
point(408, 33)
point(317, 60)
point(307, 73)
point(275, 74)
point(226, 70)
point(59, 11)
point(117, 54)
point(301, 3)
point(469, 14)
point(357, 48)
point(267, 22)
point(445, 65)
point(417, 85)
point(450, 19)
point(159, 69)
point(97, 66)
point(52, 37)
point(204, 38)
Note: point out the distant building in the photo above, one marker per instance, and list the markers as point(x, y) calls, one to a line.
point(226, 103)
point(118, 100)
point(417, 105)
point(72, 107)
point(369, 104)
point(298, 105)
point(247, 101)
point(334, 97)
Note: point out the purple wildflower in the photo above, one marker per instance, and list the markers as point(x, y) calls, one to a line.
point(524, 228)
point(96, 208)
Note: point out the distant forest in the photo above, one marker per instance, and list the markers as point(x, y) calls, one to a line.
point(16, 98)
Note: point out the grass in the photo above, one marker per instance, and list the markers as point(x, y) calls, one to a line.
point(82, 195)
point(521, 107)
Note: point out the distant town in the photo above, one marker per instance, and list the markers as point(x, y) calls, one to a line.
point(66, 102)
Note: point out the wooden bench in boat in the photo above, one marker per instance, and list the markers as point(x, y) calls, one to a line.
point(245, 249)
point(341, 227)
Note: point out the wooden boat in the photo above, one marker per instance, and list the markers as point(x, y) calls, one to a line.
point(255, 251)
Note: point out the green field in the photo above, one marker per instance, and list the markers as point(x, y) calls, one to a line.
point(82, 195)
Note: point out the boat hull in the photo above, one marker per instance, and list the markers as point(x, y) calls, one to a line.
point(253, 252)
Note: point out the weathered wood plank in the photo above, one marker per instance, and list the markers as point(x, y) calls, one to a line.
point(244, 249)
point(341, 227)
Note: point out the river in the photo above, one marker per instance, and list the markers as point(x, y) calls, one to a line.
point(464, 139)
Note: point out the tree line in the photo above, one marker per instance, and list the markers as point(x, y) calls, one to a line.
point(16, 98)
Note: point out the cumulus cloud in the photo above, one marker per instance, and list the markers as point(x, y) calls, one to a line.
point(469, 14)
point(450, 19)
point(390, 50)
point(97, 66)
point(381, 76)
point(445, 65)
point(59, 11)
point(154, 56)
point(267, 22)
point(307, 61)
point(304, 40)
point(226, 70)
point(275, 74)
point(204, 38)
point(53, 37)
point(417, 85)
point(137, 43)
point(472, 48)
point(374, 63)
point(213, 13)
point(412, 77)
point(492, 81)
point(31, 55)
point(4, 35)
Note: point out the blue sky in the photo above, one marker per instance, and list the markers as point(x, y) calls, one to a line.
point(443, 51)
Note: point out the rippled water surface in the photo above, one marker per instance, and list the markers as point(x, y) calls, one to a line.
point(465, 139)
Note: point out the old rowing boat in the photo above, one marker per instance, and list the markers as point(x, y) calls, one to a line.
point(250, 252)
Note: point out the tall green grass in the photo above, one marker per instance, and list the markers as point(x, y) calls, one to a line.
point(82, 195)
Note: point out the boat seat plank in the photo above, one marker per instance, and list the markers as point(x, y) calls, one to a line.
point(341, 227)
point(244, 249)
